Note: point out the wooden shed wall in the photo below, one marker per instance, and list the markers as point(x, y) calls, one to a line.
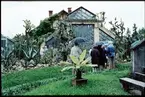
point(139, 59)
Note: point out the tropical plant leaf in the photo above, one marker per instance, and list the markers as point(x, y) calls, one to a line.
point(30, 51)
point(74, 59)
point(84, 62)
point(67, 68)
point(78, 67)
point(9, 53)
point(34, 53)
point(82, 56)
point(26, 54)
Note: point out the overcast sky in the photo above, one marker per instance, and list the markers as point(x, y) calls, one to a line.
point(13, 12)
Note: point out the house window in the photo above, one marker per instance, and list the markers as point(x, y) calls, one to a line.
point(86, 31)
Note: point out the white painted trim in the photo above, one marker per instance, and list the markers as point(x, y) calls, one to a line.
point(96, 33)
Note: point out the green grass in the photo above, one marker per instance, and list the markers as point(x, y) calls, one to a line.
point(105, 82)
point(26, 76)
point(98, 84)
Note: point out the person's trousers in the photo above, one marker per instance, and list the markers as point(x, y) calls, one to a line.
point(111, 62)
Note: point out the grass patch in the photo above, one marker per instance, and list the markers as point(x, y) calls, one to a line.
point(23, 88)
point(26, 76)
point(104, 82)
point(98, 84)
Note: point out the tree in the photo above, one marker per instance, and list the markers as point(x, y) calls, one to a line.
point(128, 42)
point(63, 34)
point(46, 26)
point(141, 33)
point(135, 35)
point(119, 29)
point(28, 32)
point(44, 30)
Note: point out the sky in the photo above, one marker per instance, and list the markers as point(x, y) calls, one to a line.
point(14, 12)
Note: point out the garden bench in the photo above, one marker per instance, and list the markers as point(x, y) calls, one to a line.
point(140, 76)
point(127, 82)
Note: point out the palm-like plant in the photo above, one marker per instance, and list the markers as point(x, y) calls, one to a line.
point(77, 64)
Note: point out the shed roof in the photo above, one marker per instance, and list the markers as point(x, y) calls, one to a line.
point(137, 43)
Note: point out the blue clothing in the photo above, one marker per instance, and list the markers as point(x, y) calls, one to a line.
point(110, 51)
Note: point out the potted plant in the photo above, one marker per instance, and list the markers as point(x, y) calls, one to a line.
point(77, 64)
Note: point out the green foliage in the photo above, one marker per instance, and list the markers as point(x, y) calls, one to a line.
point(101, 83)
point(21, 82)
point(124, 40)
point(30, 55)
point(119, 29)
point(8, 59)
point(63, 33)
point(19, 42)
point(77, 63)
point(127, 44)
point(48, 57)
point(26, 76)
point(20, 89)
point(141, 33)
point(46, 26)
point(135, 35)
point(28, 27)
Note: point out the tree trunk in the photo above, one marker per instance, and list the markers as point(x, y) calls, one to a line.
point(78, 74)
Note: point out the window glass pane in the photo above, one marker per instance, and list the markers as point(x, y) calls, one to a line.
point(104, 37)
point(86, 31)
point(81, 14)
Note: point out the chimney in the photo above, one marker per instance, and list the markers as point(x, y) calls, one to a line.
point(50, 13)
point(69, 9)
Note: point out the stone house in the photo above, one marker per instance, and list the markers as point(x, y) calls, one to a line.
point(85, 24)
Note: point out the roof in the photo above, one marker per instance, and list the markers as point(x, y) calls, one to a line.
point(2, 36)
point(137, 44)
point(63, 11)
point(83, 8)
point(106, 31)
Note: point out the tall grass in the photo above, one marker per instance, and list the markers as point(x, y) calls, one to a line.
point(27, 76)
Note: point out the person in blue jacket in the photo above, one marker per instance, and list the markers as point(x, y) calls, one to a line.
point(111, 55)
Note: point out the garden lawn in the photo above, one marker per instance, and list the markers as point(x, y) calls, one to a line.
point(100, 83)
point(27, 76)
point(51, 81)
